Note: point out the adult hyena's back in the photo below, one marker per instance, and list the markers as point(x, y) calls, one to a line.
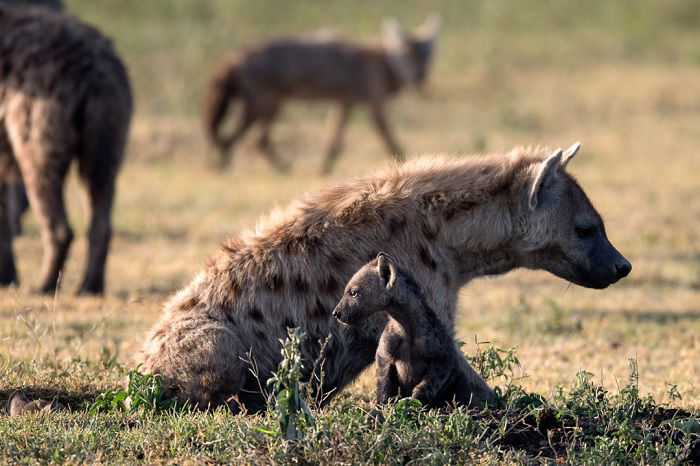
point(313, 68)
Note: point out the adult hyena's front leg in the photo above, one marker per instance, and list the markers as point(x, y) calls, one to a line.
point(345, 356)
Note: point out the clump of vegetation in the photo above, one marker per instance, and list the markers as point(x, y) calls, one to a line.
point(290, 403)
point(144, 392)
point(583, 423)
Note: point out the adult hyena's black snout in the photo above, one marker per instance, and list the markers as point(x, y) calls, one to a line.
point(623, 268)
point(616, 266)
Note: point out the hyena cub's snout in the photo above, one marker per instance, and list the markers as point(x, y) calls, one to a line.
point(346, 313)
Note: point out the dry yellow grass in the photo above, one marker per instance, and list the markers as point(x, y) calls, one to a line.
point(639, 125)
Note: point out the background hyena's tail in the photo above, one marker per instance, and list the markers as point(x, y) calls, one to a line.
point(222, 90)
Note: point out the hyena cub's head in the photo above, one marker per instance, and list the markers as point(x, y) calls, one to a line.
point(562, 232)
point(369, 291)
point(410, 54)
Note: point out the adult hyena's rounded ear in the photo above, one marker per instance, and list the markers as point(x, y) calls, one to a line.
point(386, 269)
point(546, 173)
point(430, 28)
point(393, 36)
point(569, 154)
point(395, 46)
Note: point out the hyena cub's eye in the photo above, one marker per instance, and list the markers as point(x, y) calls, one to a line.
point(353, 293)
point(586, 232)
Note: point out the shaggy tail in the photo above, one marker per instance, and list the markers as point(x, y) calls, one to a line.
point(222, 90)
point(106, 116)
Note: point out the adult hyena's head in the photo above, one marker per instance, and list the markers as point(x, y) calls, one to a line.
point(410, 54)
point(369, 291)
point(561, 230)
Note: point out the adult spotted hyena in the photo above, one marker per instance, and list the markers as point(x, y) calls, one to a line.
point(266, 75)
point(64, 95)
point(447, 220)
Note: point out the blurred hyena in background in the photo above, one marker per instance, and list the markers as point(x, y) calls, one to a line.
point(265, 75)
point(64, 95)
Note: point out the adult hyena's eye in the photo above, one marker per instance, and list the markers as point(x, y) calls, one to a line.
point(586, 232)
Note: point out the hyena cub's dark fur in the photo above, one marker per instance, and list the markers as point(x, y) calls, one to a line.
point(417, 356)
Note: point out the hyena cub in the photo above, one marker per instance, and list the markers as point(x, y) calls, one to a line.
point(417, 356)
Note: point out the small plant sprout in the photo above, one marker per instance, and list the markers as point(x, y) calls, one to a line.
point(290, 402)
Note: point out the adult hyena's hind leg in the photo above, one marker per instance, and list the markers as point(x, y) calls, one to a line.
point(100, 196)
point(44, 171)
point(8, 272)
point(42, 147)
point(8, 177)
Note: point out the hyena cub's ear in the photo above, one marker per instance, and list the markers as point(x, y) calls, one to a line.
point(386, 270)
point(546, 173)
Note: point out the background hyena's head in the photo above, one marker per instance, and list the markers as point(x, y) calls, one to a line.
point(368, 291)
point(410, 54)
point(562, 232)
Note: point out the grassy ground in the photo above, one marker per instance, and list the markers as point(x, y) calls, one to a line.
point(622, 77)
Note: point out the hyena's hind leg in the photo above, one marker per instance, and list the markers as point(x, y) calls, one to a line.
point(379, 117)
point(44, 171)
point(99, 195)
point(8, 175)
point(337, 122)
point(18, 204)
point(269, 112)
point(226, 146)
point(8, 272)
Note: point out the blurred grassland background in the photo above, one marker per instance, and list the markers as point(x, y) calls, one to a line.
point(623, 77)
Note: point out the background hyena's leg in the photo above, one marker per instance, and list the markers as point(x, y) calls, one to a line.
point(8, 272)
point(379, 116)
point(99, 194)
point(44, 173)
point(337, 121)
point(268, 114)
point(18, 204)
point(248, 117)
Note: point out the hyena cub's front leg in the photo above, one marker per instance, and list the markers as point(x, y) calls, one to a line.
point(387, 381)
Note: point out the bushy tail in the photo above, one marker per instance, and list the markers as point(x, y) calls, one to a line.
point(222, 90)
point(106, 115)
